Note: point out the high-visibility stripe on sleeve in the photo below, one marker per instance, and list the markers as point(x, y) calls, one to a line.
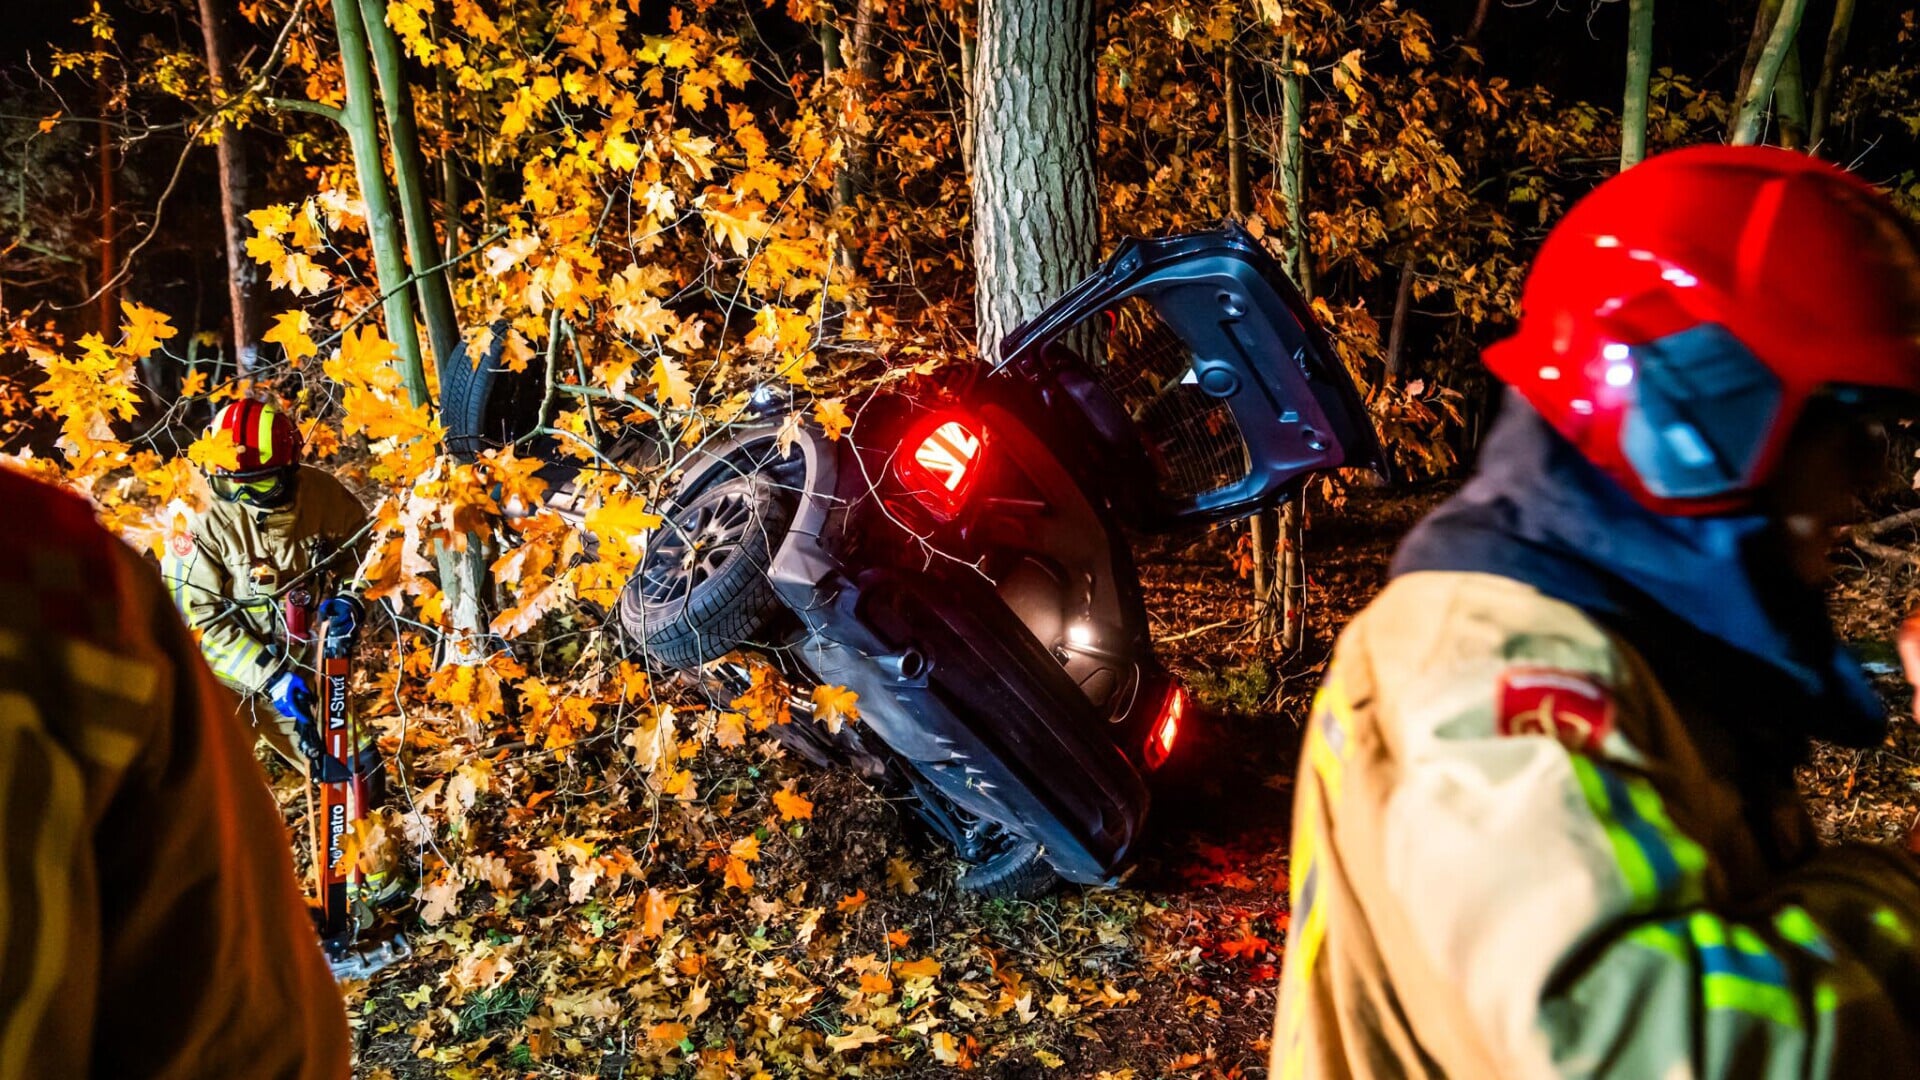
point(1660, 863)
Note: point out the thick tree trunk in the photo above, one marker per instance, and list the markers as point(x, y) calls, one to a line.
point(409, 178)
point(1036, 226)
point(1633, 118)
point(1750, 117)
point(389, 257)
point(1829, 68)
point(243, 274)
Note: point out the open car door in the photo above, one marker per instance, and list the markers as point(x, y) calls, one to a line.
point(1191, 362)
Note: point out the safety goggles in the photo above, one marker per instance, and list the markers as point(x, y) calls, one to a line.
point(268, 490)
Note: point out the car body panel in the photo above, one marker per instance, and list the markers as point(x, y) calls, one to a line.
point(1257, 400)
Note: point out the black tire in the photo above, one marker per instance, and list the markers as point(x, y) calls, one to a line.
point(487, 405)
point(684, 612)
point(1020, 872)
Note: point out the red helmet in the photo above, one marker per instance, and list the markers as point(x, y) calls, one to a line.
point(268, 439)
point(1679, 318)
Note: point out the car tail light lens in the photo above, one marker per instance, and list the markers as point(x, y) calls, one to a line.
point(940, 460)
point(1167, 728)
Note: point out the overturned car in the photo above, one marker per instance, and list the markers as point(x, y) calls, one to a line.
point(961, 560)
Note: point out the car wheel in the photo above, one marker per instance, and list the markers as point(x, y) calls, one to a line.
point(487, 405)
point(701, 590)
point(1020, 871)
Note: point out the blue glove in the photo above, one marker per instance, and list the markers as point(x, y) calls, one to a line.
point(292, 698)
point(342, 615)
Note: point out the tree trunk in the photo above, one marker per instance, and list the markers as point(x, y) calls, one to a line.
point(1292, 172)
point(1829, 68)
point(1397, 329)
point(1633, 118)
point(462, 573)
point(1478, 24)
point(1036, 226)
point(1293, 190)
point(1750, 118)
point(107, 310)
point(1765, 12)
point(449, 170)
point(1240, 206)
point(389, 258)
point(1790, 101)
point(830, 65)
point(243, 274)
point(1239, 178)
point(1293, 574)
point(409, 178)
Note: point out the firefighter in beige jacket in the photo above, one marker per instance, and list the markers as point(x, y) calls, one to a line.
point(1546, 821)
point(276, 526)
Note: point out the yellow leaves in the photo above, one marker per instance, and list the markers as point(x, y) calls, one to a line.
point(620, 522)
point(271, 221)
point(787, 335)
point(831, 415)
point(694, 153)
point(85, 391)
point(765, 702)
point(744, 850)
point(903, 875)
point(214, 451)
point(670, 384)
point(945, 1051)
point(297, 274)
point(144, 330)
point(738, 224)
point(440, 897)
point(854, 1038)
point(834, 706)
point(290, 331)
point(294, 271)
point(619, 153)
point(792, 805)
point(645, 317)
point(265, 249)
point(1347, 74)
point(653, 739)
point(510, 253)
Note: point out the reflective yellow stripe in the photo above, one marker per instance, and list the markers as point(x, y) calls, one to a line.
point(50, 851)
point(109, 673)
point(264, 433)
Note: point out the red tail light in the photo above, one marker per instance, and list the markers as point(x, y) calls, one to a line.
point(940, 460)
point(1167, 728)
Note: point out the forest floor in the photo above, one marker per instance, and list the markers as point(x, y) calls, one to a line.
point(1172, 974)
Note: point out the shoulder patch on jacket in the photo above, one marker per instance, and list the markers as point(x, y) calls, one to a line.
point(1569, 706)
